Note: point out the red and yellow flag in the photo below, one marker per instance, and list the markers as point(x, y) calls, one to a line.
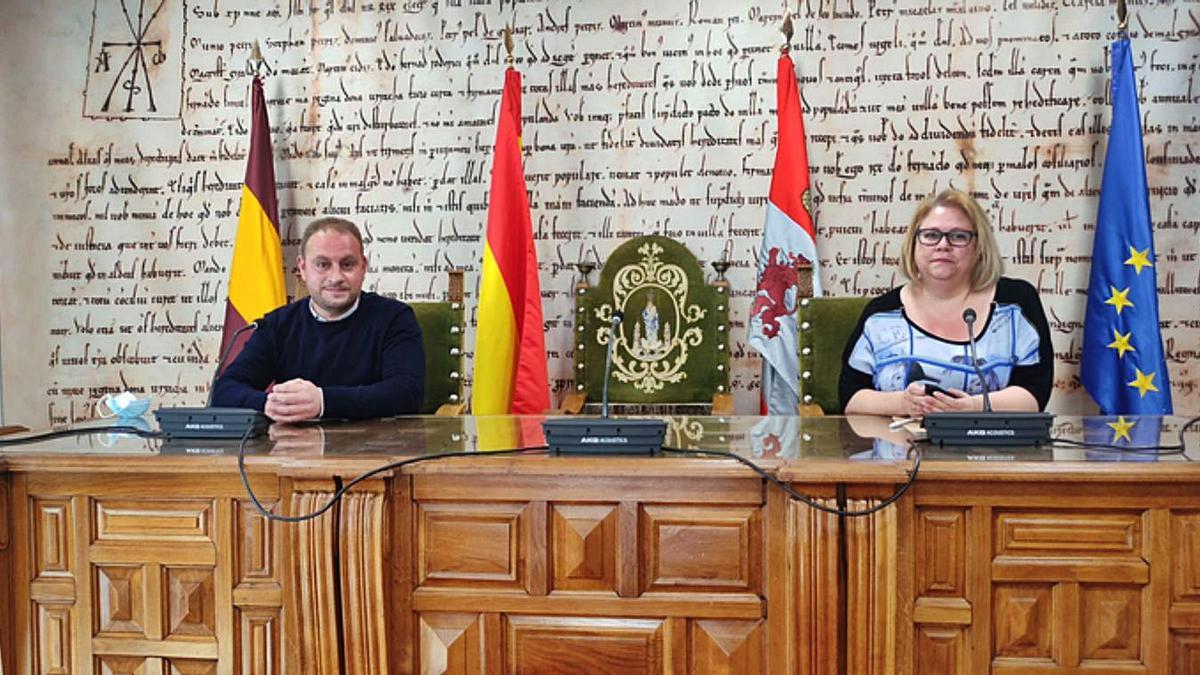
point(510, 347)
point(256, 273)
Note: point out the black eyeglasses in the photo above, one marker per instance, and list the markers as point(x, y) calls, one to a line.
point(957, 238)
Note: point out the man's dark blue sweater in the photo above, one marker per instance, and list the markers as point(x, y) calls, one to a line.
point(369, 364)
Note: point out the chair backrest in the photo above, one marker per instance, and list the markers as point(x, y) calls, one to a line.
point(824, 326)
point(672, 346)
point(442, 330)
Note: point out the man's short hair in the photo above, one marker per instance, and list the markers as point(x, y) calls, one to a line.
point(331, 223)
point(988, 264)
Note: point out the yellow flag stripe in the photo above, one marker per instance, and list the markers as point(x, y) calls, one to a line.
point(496, 350)
point(256, 274)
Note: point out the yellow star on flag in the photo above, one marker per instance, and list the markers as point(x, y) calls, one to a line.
point(1143, 382)
point(1118, 299)
point(1121, 343)
point(1139, 259)
point(1121, 429)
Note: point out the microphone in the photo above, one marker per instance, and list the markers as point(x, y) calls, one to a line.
point(617, 316)
point(233, 342)
point(986, 428)
point(969, 319)
point(209, 422)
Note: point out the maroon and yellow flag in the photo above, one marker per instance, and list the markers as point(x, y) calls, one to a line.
point(510, 348)
point(256, 273)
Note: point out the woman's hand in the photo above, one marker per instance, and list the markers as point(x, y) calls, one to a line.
point(956, 400)
point(915, 402)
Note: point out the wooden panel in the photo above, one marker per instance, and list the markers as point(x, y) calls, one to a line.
point(257, 650)
point(940, 649)
point(451, 643)
point(470, 545)
point(125, 665)
point(1111, 623)
point(1185, 653)
point(940, 552)
point(52, 553)
point(255, 544)
point(365, 639)
point(561, 645)
point(190, 667)
point(191, 602)
point(153, 520)
point(818, 614)
point(583, 547)
point(52, 639)
point(871, 589)
point(1185, 551)
point(313, 616)
point(1056, 533)
point(1022, 623)
point(732, 647)
point(121, 601)
point(691, 548)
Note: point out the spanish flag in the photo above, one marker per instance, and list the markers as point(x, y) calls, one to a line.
point(256, 273)
point(510, 348)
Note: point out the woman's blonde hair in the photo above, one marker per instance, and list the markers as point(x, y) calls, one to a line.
point(988, 265)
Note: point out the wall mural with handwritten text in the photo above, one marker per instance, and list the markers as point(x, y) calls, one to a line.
point(128, 132)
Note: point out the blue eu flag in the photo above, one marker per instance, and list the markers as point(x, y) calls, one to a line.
point(1122, 365)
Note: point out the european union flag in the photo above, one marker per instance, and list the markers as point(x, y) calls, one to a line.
point(1122, 365)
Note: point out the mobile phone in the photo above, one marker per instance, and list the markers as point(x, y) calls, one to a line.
point(931, 389)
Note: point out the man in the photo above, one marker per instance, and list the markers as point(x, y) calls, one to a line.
point(338, 353)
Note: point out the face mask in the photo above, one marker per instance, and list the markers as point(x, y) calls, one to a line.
point(124, 405)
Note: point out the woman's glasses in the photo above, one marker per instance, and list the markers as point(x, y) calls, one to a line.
point(957, 238)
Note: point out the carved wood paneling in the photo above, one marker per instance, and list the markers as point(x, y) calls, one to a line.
point(254, 545)
point(190, 601)
point(940, 552)
point(1111, 618)
point(451, 643)
point(941, 649)
point(583, 547)
point(1185, 551)
point(53, 640)
point(1185, 653)
point(124, 665)
point(470, 544)
point(690, 548)
point(361, 546)
point(154, 520)
point(817, 589)
point(727, 647)
point(1023, 621)
point(1058, 533)
point(120, 592)
point(871, 589)
point(190, 667)
point(313, 596)
point(258, 649)
point(52, 551)
point(547, 644)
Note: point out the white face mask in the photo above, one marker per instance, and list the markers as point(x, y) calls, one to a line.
point(124, 405)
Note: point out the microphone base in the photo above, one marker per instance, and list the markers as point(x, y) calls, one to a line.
point(604, 436)
point(994, 428)
point(206, 422)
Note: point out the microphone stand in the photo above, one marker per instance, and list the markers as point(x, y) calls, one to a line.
point(213, 422)
point(969, 319)
point(612, 338)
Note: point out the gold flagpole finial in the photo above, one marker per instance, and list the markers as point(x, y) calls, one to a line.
point(787, 31)
point(256, 58)
point(1121, 16)
point(508, 44)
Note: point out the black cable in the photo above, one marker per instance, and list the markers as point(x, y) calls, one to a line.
point(337, 496)
point(1179, 448)
point(83, 431)
point(891, 499)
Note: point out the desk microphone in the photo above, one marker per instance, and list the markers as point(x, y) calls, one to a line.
point(969, 319)
point(209, 422)
point(987, 427)
point(617, 316)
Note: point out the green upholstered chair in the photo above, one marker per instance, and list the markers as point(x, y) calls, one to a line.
point(442, 329)
point(824, 326)
point(671, 353)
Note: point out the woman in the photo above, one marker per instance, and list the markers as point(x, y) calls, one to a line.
point(909, 354)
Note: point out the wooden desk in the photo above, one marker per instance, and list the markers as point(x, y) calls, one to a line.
point(144, 557)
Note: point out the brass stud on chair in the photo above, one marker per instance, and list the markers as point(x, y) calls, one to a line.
point(455, 330)
point(455, 351)
point(806, 374)
point(721, 388)
point(808, 398)
point(579, 366)
point(580, 347)
point(454, 375)
point(804, 302)
point(454, 398)
point(804, 325)
point(806, 351)
point(579, 387)
point(720, 328)
point(720, 367)
point(456, 305)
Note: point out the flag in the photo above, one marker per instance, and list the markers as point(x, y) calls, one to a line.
point(1143, 431)
point(510, 347)
point(1122, 364)
point(256, 272)
point(789, 238)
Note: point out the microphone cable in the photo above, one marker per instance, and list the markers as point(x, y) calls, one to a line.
point(84, 431)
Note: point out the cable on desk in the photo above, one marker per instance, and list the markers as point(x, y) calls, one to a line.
point(337, 496)
point(1179, 448)
point(84, 431)
point(787, 489)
